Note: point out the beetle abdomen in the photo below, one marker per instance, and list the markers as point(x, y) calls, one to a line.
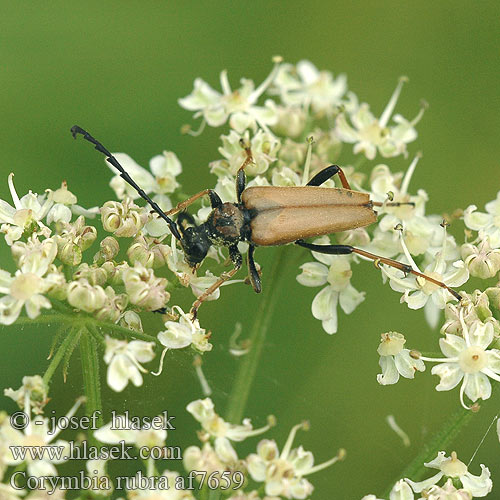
point(286, 214)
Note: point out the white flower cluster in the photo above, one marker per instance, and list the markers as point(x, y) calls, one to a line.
point(459, 483)
point(469, 345)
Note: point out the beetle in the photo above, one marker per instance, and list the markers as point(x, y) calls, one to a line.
point(267, 216)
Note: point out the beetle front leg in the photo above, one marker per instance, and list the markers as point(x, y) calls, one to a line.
point(326, 174)
point(237, 261)
point(347, 249)
point(215, 201)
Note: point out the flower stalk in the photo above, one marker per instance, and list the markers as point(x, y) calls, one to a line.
point(248, 367)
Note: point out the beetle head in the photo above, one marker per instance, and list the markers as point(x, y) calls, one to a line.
point(195, 241)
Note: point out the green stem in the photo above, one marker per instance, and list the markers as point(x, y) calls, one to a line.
point(246, 373)
point(73, 318)
point(43, 319)
point(441, 440)
point(91, 378)
point(127, 332)
point(59, 355)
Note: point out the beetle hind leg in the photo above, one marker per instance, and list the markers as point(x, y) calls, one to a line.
point(241, 180)
point(326, 174)
point(347, 249)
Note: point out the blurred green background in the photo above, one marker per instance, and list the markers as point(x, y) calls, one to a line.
point(118, 68)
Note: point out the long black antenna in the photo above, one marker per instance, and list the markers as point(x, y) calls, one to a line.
point(75, 130)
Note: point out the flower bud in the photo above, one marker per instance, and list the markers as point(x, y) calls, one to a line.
point(291, 121)
point(150, 253)
point(63, 195)
point(131, 320)
point(123, 219)
point(93, 274)
point(481, 260)
point(115, 272)
point(69, 253)
point(144, 288)
point(113, 307)
point(84, 296)
point(482, 305)
point(109, 250)
point(493, 294)
point(58, 288)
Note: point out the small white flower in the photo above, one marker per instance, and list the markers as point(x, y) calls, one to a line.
point(161, 180)
point(203, 411)
point(264, 149)
point(395, 360)
point(28, 286)
point(144, 288)
point(447, 492)
point(478, 486)
point(183, 333)
point(370, 134)
point(131, 432)
point(26, 213)
point(239, 105)
point(124, 360)
point(481, 260)
point(209, 458)
point(33, 388)
point(420, 292)
point(468, 360)
point(37, 433)
point(304, 85)
point(419, 229)
point(400, 491)
point(283, 473)
point(335, 271)
point(487, 224)
point(65, 204)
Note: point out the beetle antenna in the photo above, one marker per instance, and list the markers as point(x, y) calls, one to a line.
point(75, 130)
point(392, 203)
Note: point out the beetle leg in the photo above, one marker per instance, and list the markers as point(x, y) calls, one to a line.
point(252, 271)
point(347, 249)
point(237, 261)
point(75, 130)
point(215, 201)
point(326, 174)
point(240, 175)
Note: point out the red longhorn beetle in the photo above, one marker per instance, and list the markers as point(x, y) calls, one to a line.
point(268, 216)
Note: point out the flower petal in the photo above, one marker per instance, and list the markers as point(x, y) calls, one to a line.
point(477, 386)
point(450, 375)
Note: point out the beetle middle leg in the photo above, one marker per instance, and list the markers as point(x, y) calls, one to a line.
point(326, 174)
point(252, 270)
point(237, 261)
point(347, 249)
